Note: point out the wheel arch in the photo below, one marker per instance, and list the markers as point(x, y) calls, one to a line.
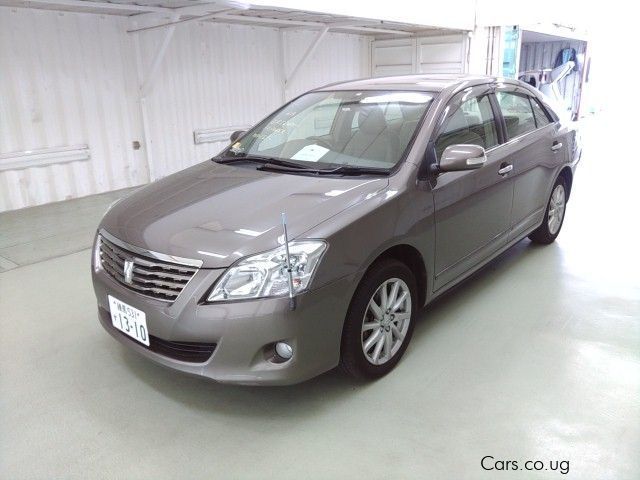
point(567, 174)
point(412, 258)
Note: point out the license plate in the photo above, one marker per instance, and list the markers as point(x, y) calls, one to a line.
point(129, 320)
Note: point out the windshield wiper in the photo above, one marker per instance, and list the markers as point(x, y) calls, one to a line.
point(261, 160)
point(280, 167)
point(353, 170)
point(341, 170)
point(276, 164)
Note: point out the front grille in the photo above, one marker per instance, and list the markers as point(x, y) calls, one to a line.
point(192, 352)
point(149, 276)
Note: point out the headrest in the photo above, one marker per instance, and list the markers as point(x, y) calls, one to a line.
point(457, 121)
point(472, 119)
point(411, 112)
point(371, 120)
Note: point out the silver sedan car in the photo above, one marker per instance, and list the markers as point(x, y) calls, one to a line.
point(315, 238)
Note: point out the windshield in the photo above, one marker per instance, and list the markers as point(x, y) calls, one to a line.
point(368, 129)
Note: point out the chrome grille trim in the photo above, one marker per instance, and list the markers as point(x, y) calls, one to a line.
point(172, 259)
point(152, 275)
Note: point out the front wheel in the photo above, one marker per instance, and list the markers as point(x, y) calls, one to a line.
point(380, 320)
point(554, 216)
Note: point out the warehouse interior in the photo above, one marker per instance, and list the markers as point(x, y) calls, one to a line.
point(536, 356)
point(144, 95)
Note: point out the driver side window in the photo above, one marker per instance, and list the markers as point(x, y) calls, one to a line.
point(469, 122)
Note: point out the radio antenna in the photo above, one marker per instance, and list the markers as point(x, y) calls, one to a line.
point(292, 299)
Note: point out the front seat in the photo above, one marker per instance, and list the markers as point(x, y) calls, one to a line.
point(411, 117)
point(457, 131)
point(372, 140)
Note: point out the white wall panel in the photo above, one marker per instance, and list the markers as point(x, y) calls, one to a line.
point(62, 83)
point(442, 54)
point(72, 79)
point(393, 57)
point(338, 57)
point(213, 76)
point(432, 54)
point(217, 75)
point(485, 55)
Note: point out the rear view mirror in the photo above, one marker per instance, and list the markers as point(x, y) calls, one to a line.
point(461, 157)
point(236, 135)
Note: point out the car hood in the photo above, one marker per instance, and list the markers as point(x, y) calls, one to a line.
point(219, 213)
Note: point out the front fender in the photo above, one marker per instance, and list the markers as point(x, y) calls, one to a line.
point(359, 236)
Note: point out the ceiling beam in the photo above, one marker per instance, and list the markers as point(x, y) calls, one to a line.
point(147, 12)
point(353, 25)
point(102, 5)
point(373, 30)
point(199, 9)
point(173, 24)
point(275, 22)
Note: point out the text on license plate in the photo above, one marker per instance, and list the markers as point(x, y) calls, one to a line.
point(129, 320)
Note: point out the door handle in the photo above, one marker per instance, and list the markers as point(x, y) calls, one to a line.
point(556, 146)
point(505, 168)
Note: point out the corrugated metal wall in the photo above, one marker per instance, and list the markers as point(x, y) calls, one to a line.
point(539, 55)
point(63, 82)
point(72, 79)
point(218, 75)
point(339, 57)
point(213, 75)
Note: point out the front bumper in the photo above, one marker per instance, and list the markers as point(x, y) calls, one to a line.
point(242, 331)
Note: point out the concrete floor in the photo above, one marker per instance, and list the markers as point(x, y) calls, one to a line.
point(535, 358)
point(31, 235)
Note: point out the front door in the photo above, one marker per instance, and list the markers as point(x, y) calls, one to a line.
point(472, 208)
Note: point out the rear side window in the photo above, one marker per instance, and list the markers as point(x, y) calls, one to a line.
point(470, 122)
point(517, 113)
point(539, 113)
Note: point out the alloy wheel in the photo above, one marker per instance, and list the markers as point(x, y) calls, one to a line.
point(386, 321)
point(556, 209)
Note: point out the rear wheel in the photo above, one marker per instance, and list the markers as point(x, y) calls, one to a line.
point(554, 216)
point(380, 320)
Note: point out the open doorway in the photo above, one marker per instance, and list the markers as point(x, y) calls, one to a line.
point(556, 65)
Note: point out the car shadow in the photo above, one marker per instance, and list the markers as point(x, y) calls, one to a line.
point(321, 392)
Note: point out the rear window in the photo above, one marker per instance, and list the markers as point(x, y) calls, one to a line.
point(541, 116)
point(517, 113)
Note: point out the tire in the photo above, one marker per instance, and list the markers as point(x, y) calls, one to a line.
point(388, 324)
point(549, 231)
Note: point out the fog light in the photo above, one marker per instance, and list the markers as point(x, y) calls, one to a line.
point(284, 350)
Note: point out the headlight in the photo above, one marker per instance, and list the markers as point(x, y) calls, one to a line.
point(265, 274)
point(97, 261)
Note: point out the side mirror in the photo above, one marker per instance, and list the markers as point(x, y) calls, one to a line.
point(236, 135)
point(461, 157)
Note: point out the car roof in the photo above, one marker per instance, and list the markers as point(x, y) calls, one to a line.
point(427, 83)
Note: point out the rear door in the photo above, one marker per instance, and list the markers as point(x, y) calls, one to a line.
point(534, 148)
point(472, 208)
